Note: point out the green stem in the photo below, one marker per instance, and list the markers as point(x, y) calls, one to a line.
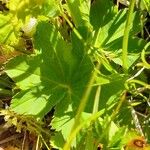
point(147, 65)
point(147, 86)
point(126, 35)
point(122, 99)
point(71, 25)
point(73, 28)
point(80, 126)
point(82, 105)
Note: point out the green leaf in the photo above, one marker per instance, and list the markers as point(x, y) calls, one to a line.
point(101, 12)
point(50, 8)
point(7, 34)
point(57, 141)
point(89, 142)
point(36, 101)
point(110, 36)
point(79, 11)
point(63, 124)
point(102, 79)
point(116, 140)
point(56, 75)
point(109, 98)
point(34, 8)
point(132, 57)
point(19, 13)
point(135, 45)
point(85, 139)
point(109, 137)
point(144, 5)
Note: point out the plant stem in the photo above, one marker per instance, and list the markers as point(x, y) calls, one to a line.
point(112, 117)
point(82, 105)
point(126, 36)
point(145, 63)
point(80, 126)
point(122, 99)
point(71, 25)
point(147, 86)
point(73, 28)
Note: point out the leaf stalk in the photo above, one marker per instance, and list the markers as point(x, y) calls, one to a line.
point(126, 36)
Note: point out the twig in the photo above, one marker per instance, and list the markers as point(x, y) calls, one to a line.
point(13, 137)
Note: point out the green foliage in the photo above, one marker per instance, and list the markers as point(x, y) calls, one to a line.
point(75, 68)
point(99, 13)
point(48, 77)
point(79, 11)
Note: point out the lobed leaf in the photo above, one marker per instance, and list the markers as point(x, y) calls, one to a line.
point(54, 76)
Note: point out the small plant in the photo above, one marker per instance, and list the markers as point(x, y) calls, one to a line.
point(85, 61)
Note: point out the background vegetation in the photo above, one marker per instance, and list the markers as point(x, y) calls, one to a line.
point(75, 74)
